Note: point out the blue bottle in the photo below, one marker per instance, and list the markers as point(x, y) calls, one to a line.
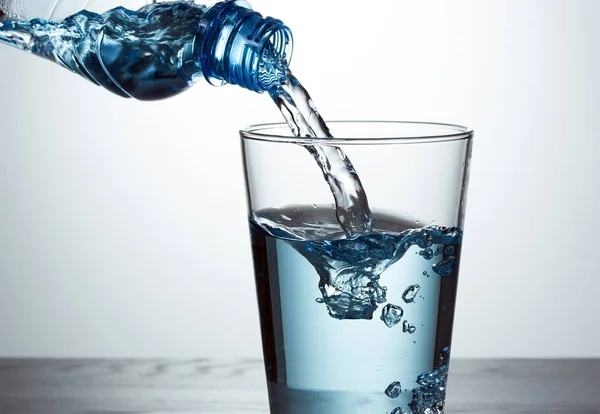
point(161, 49)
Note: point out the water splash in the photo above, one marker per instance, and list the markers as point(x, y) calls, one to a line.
point(430, 396)
point(349, 269)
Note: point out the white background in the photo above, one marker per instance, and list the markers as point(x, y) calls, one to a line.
point(123, 224)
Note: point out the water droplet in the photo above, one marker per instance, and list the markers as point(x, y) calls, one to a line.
point(319, 300)
point(425, 273)
point(394, 389)
point(417, 221)
point(314, 206)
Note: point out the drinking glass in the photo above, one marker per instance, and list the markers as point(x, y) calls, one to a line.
point(358, 323)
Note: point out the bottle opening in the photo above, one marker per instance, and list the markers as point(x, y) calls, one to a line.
point(243, 48)
point(266, 63)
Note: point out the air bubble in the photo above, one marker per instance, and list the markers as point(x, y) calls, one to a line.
point(426, 253)
point(394, 389)
point(391, 314)
point(410, 293)
point(408, 327)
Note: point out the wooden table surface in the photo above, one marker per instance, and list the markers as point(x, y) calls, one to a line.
point(204, 386)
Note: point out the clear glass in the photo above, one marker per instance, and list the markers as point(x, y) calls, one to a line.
point(392, 361)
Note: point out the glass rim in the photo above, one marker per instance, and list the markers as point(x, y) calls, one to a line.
point(448, 132)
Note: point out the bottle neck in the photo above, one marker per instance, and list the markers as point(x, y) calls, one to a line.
point(232, 43)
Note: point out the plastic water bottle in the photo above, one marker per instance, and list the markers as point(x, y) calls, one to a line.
point(161, 49)
point(154, 51)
